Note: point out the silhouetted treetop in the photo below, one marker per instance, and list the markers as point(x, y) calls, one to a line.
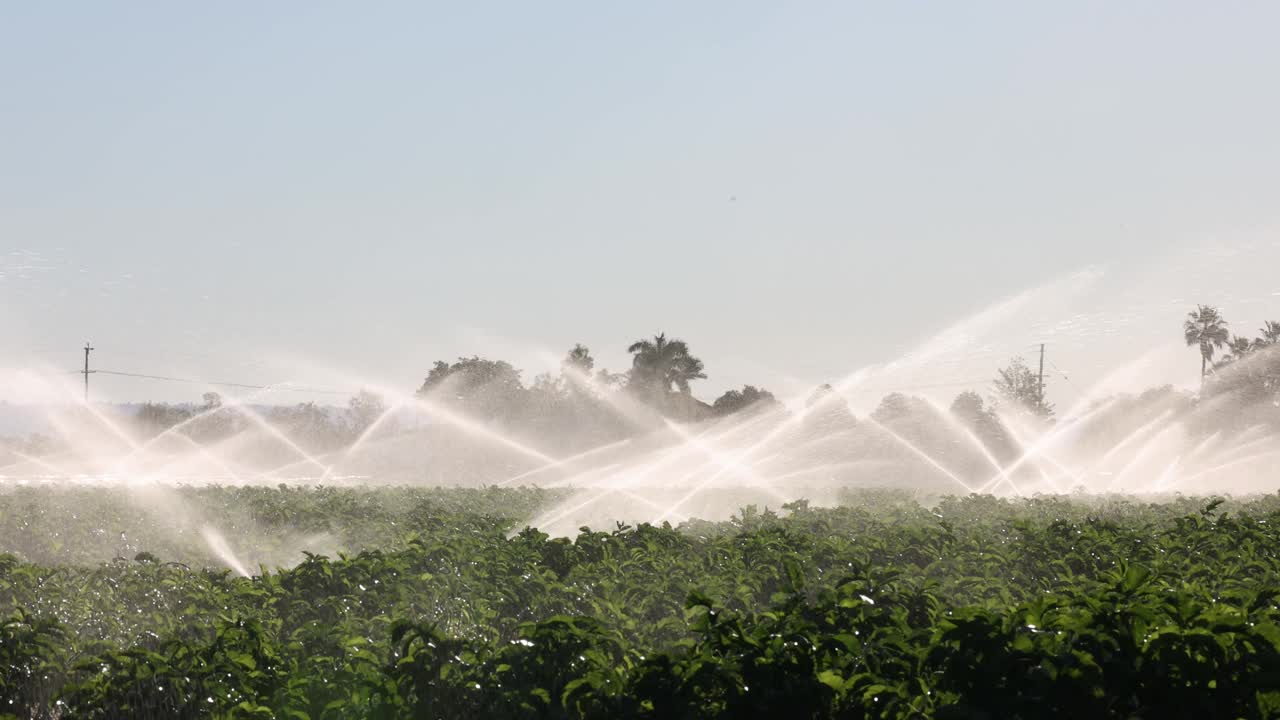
point(488, 389)
point(469, 374)
point(1205, 328)
point(750, 396)
point(659, 364)
point(579, 360)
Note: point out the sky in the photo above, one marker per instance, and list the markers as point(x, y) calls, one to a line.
point(338, 194)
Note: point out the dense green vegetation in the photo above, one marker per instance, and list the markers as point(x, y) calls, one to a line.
point(406, 602)
point(977, 607)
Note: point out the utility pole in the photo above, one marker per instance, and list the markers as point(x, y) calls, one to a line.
point(1040, 392)
point(87, 349)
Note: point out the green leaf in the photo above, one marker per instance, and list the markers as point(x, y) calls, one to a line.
point(832, 679)
point(242, 659)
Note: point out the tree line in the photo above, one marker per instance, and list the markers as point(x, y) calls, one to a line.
point(1206, 330)
point(579, 406)
point(583, 405)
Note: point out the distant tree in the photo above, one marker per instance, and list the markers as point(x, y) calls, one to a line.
point(567, 415)
point(363, 410)
point(820, 394)
point(488, 388)
point(972, 411)
point(827, 409)
point(1269, 337)
point(1247, 388)
point(547, 405)
point(578, 361)
point(611, 381)
point(309, 425)
point(659, 364)
point(1020, 387)
point(1238, 348)
point(1270, 334)
point(893, 406)
point(1205, 328)
point(213, 423)
point(750, 396)
point(157, 417)
point(546, 383)
point(968, 405)
point(575, 376)
point(469, 373)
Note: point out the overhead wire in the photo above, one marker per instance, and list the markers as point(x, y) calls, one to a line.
point(1067, 378)
point(288, 387)
point(249, 386)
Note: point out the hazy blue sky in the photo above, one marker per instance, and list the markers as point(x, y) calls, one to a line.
point(287, 190)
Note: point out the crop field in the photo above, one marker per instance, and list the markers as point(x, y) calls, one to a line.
point(639, 361)
point(439, 603)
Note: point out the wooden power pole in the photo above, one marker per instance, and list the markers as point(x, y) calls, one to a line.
point(87, 349)
point(1040, 391)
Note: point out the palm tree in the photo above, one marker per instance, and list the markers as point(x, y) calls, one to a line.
point(660, 363)
point(1239, 347)
point(1206, 328)
point(1270, 333)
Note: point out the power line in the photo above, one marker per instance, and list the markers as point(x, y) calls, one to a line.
point(1063, 373)
point(182, 380)
point(278, 386)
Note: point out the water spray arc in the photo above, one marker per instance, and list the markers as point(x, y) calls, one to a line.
point(638, 461)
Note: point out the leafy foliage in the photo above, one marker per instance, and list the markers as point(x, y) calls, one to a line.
point(1021, 388)
point(877, 608)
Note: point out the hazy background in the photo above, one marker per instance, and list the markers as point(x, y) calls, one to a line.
point(329, 192)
